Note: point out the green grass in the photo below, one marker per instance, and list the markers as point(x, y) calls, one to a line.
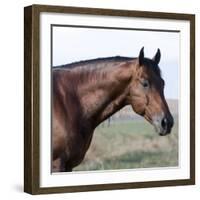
point(128, 145)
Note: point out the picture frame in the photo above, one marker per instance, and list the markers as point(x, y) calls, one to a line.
point(33, 77)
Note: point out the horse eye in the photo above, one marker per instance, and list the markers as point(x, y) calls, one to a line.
point(145, 83)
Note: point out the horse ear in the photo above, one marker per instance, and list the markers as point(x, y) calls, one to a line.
point(157, 57)
point(141, 56)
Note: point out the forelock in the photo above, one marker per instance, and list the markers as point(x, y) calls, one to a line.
point(152, 66)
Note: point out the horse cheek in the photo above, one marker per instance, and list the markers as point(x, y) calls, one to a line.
point(138, 105)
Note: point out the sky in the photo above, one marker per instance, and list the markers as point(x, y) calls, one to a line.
point(71, 44)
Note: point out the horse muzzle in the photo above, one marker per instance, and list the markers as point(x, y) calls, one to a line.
point(163, 124)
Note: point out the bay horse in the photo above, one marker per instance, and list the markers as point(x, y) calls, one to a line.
point(88, 92)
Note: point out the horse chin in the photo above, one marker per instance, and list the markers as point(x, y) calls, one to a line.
point(157, 126)
point(161, 131)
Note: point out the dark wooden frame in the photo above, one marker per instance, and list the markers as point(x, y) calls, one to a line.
point(32, 106)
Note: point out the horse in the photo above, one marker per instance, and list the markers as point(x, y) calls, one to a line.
point(88, 92)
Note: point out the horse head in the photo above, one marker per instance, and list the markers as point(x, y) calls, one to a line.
point(146, 93)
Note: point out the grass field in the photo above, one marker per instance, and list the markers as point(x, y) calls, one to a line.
point(130, 144)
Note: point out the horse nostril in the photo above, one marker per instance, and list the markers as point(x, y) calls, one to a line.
point(171, 122)
point(164, 123)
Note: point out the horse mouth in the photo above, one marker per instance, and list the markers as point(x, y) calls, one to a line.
point(162, 131)
point(162, 125)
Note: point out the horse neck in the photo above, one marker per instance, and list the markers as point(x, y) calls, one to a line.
point(106, 94)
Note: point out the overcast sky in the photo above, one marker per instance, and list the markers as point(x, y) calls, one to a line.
point(75, 44)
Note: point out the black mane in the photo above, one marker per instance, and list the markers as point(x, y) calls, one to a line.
point(147, 62)
point(94, 61)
